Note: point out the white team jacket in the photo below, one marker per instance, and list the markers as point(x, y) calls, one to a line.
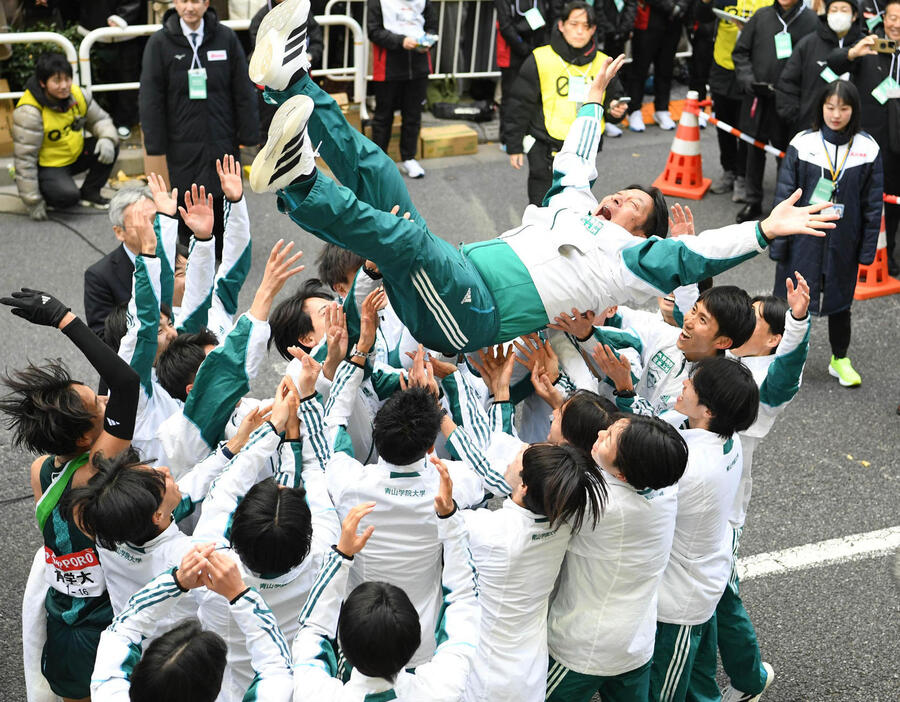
point(700, 562)
point(603, 616)
point(442, 679)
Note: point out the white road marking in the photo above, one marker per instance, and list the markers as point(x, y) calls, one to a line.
point(832, 551)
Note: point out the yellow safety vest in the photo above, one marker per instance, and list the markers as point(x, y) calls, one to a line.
point(727, 33)
point(554, 73)
point(63, 131)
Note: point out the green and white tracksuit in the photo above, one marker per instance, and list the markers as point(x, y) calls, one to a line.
point(405, 549)
point(130, 567)
point(148, 616)
point(778, 376)
point(698, 570)
point(442, 679)
point(222, 380)
point(603, 616)
point(138, 348)
point(284, 593)
point(559, 258)
point(211, 295)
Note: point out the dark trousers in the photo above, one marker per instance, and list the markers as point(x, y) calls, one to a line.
point(57, 184)
point(408, 95)
point(655, 45)
point(761, 121)
point(702, 42)
point(118, 63)
point(891, 164)
point(540, 171)
point(732, 151)
point(839, 333)
point(507, 78)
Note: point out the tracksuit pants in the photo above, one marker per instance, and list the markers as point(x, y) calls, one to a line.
point(684, 659)
point(565, 685)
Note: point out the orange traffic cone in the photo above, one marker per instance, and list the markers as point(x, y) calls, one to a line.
point(873, 280)
point(683, 174)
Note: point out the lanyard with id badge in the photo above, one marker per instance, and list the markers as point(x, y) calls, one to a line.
point(826, 189)
point(196, 77)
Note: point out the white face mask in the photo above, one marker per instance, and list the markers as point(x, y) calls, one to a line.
point(840, 21)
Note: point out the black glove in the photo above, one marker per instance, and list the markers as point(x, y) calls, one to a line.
point(36, 306)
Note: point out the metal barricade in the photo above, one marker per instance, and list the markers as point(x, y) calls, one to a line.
point(41, 38)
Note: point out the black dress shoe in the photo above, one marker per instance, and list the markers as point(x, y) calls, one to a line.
point(749, 212)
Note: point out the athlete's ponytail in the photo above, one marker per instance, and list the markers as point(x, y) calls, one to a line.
point(563, 484)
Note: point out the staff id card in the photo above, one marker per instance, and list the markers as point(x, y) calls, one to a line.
point(578, 89)
point(823, 192)
point(888, 88)
point(783, 46)
point(828, 75)
point(534, 18)
point(197, 84)
point(873, 22)
point(836, 209)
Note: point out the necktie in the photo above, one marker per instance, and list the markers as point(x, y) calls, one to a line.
point(194, 39)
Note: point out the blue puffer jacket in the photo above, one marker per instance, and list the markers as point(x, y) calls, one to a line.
point(830, 264)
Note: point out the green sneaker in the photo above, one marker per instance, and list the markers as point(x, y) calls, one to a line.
point(842, 369)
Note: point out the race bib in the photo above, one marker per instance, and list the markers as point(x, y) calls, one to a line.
point(75, 574)
point(823, 192)
point(888, 88)
point(828, 75)
point(197, 84)
point(783, 46)
point(578, 89)
point(534, 18)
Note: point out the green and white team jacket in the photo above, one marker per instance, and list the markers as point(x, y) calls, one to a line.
point(147, 616)
point(563, 257)
point(442, 679)
point(778, 376)
point(211, 295)
point(300, 464)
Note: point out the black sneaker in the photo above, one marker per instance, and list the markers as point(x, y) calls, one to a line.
point(749, 212)
point(98, 202)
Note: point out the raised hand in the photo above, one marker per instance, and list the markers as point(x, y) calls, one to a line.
point(604, 77)
point(350, 543)
point(368, 318)
point(798, 297)
point(287, 401)
point(138, 218)
point(788, 220)
point(223, 576)
point(681, 221)
point(535, 350)
point(37, 307)
point(443, 501)
point(165, 202)
point(230, 178)
point(579, 324)
point(190, 573)
point(309, 371)
point(495, 365)
point(250, 423)
point(278, 271)
point(197, 213)
point(616, 369)
point(544, 387)
point(421, 375)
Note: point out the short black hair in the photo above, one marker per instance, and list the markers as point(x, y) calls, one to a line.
point(289, 320)
point(773, 309)
point(177, 366)
point(583, 415)
point(650, 453)
point(44, 410)
point(115, 326)
point(272, 528)
point(117, 504)
point(337, 263)
point(564, 484)
point(406, 425)
point(657, 222)
point(847, 93)
point(378, 629)
point(730, 306)
point(51, 63)
point(726, 387)
point(573, 5)
point(185, 663)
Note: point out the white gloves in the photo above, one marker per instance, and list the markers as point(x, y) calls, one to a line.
point(105, 150)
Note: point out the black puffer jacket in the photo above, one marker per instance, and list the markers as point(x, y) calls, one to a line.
point(94, 14)
point(194, 133)
point(526, 112)
point(800, 84)
point(514, 28)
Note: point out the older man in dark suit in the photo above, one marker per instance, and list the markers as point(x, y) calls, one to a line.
point(107, 283)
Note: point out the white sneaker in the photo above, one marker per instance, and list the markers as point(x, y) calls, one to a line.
point(123, 132)
point(732, 695)
point(281, 45)
point(413, 169)
point(664, 120)
point(612, 131)
point(636, 121)
point(287, 154)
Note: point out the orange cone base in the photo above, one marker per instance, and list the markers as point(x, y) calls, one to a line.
point(874, 281)
point(683, 177)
